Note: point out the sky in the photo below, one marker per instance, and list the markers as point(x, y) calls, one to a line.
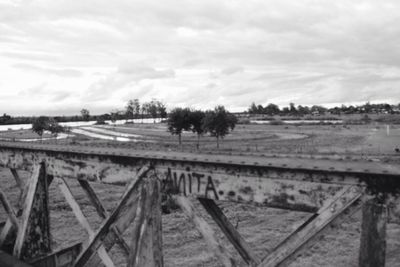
point(59, 56)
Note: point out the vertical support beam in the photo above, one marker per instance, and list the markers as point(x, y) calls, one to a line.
point(230, 232)
point(373, 234)
point(157, 226)
point(147, 235)
point(101, 211)
point(82, 220)
point(33, 238)
point(206, 231)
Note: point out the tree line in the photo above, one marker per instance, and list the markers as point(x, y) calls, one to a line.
point(134, 109)
point(273, 109)
point(217, 122)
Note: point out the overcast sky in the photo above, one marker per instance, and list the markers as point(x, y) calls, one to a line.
point(57, 57)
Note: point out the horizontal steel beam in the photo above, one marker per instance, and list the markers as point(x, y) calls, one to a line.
point(286, 183)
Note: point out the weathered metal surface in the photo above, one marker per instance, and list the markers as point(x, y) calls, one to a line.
point(301, 187)
point(373, 234)
point(61, 258)
point(33, 238)
point(146, 242)
point(330, 189)
point(7, 260)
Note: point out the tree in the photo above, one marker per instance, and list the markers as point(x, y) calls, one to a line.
point(219, 122)
point(178, 121)
point(40, 124)
point(152, 109)
point(5, 118)
point(292, 109)
point(129, 110)
point(85, 114)
point(54, 128)
point(145, 109)
point(136, 108)
point(161, 109)
point(196, 124)
point(43, 123)
point(114, 116)
point(303, 110)
point(318, 109)
point(272, 109)
point(253, 108)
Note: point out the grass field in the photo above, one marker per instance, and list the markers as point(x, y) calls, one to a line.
point(346, 141)
point(262, 227)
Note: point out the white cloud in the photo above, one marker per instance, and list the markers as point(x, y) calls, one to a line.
point(97, 53)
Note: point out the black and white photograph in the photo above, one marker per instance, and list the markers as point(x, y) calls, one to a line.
point(209, 133)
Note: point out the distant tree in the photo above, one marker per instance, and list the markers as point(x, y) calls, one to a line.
point(303, 110)
point(129, 110)
point(318, 109)
point(5, 118)
point(367, 107)
point(196, 124)
point(285, 111)
point(153, 109)
point(114, 115)
point(253, 108)
point(260, 109)
point(145, 109)
point(85, 114)
point(292, 109)
point(161, 109)
point(178, 121)
point(271, 109)
point(136, 108)
point(54, 127)
point(219, 122)
point(40, 124)
point(101, 120)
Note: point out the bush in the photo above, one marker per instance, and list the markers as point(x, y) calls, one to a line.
point(243, 121)
point(276, 122)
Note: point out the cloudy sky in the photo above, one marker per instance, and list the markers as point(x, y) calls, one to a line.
point(57, 57)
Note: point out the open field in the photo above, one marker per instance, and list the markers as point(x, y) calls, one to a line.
point(262, 227)
point(338, 141)
point(21, 134)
